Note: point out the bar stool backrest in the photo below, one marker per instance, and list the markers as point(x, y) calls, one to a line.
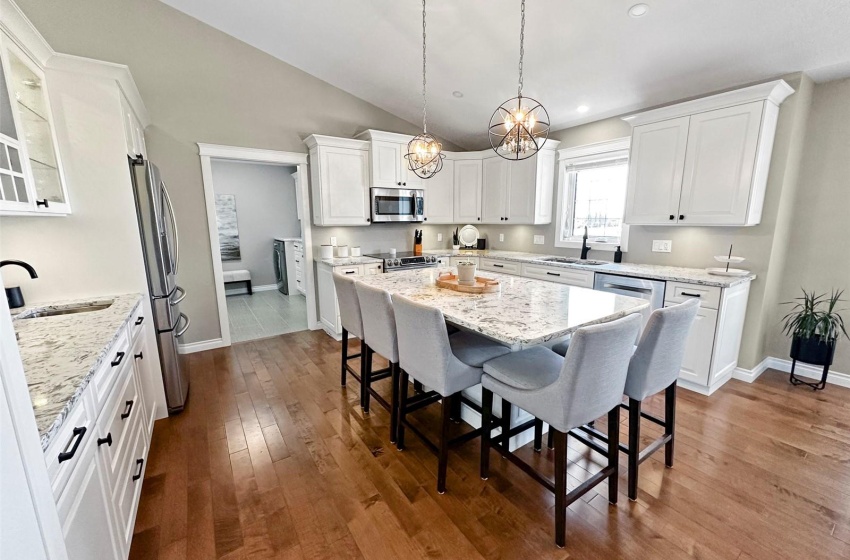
point(379, 330)
point(593, 375)
point(657, 360)
point(349, 305)
point(423, 343)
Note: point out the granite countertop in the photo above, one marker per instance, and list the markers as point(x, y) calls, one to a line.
point(350, 261)
point(61, 353)
point(651, 271)
point(284, 239)
point(524, 312)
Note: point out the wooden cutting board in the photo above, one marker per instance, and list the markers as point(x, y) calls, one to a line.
point(482, 285)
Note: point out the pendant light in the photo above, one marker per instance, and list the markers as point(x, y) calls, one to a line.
point(520, 126)
point(424, 154)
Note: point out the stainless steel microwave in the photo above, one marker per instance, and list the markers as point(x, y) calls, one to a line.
point(397, 205)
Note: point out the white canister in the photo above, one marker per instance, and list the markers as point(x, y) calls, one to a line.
point(392, 252)
point(466, 273)
point(342, 251)
point(355, 251)
point(327, 252)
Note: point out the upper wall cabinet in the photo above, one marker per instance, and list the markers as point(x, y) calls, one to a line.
point(439, 197)
point(518, 192)
point(467, 191)
point(389, 167)
point(31, 179)
point(704, 162)
point(339, 171)
point(134, 131)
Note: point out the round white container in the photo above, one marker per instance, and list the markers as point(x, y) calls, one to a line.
point(342, 250)
point(355, 251)
point(327, 252)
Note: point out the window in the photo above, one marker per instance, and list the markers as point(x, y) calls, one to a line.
point(592, 193)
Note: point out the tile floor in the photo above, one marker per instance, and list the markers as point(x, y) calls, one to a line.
point(265, 314)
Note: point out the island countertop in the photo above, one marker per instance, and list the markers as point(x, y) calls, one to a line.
point(61, 353)
point(524, 312)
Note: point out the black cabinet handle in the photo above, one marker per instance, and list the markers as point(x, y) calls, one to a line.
point(128, 410)
point(479, 219)
point(691, 295)
point(43, 202)
point(139, 356)
point(76, 438)
point(368, 219)
point(139, 320)
point(404, 184)
point(681, 216)
point(672, 217)
point(553, 273)
point(118, 357)
point(351, 272)
point(506, 218)
point(398, 183)
point(424, 219)
point(107, 440)
point(499, 265)
point(138, 474)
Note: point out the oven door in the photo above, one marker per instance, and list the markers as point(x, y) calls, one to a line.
point(397, 205)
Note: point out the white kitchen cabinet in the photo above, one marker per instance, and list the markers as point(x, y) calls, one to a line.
point(339, 170)
point(696, 363)
point(561, 275)
point(298, 248)
point(499, 265)
point(31, 177)
point(519, 192)
point(328, 303)
point(704, 162)
point(454, 260)
point(439, 195)
point(494, 192)
point(372, 268)
point(467, 191)
point(134, 132)
point(443, 262)
point(389, 166)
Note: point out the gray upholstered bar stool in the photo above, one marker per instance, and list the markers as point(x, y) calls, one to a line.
point(447, 365)
point(565, 393)
point(380, 337)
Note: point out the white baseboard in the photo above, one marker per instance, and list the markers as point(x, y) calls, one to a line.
point(784, 365)
point(243, 290)
point(192, 347)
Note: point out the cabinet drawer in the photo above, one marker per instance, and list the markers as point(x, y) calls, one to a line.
point(138, 321)
point(455, 260)
point(580, 278)
point(77, 429)
point(298, 246)
point(678, 292)
point(348, 270)
point(114, 360)
point(128, 486)
point(119, 414)
point(499, 266)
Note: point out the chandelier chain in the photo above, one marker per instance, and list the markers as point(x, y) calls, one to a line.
point(521, 45)
point(424, 82)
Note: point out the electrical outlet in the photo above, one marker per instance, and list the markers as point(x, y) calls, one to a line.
point(662, 245)
point(538, 240)
point(333, 241)
point(439, 237)
point(501, 237)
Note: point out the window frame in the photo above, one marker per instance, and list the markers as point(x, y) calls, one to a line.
point(616, 149)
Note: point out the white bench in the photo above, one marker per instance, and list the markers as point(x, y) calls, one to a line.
point(231, 276)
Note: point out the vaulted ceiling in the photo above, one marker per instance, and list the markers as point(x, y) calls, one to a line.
point(578, 52)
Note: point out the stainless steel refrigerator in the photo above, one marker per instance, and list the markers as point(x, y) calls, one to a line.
point(161, 249)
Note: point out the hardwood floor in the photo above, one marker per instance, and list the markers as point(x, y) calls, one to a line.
point(273, 459)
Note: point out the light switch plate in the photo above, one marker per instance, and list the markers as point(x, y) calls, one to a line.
point(333, 241)
point(538, 240)
point(501, 237)
point(439, 237)
point(662, 245)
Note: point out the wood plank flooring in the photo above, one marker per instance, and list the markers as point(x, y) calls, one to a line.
point(273, 459)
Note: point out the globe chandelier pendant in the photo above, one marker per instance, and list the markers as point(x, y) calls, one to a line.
point(424, 154)
point(520, 126)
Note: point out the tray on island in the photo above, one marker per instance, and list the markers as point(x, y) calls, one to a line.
point(482, 285)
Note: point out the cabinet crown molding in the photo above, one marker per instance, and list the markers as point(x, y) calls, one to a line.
point(775, 92)
point(315, 140)
point(381, 135)
point(21, 30)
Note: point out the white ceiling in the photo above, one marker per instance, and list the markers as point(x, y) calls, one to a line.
point(578, 52)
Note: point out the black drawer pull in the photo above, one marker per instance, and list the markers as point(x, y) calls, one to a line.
point(127, 410)
point(499, 265)
point(691, 295)
point(118, 357)
point(139, 320)
point(351, 272)
point(553, 273)
point(672, 217)
point(107, 440)
point(139, 356)
point(43, 202)
point(138, 474)
point(76, 437)
point(681, 216)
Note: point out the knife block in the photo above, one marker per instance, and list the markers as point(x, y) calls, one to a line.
point(417, 249)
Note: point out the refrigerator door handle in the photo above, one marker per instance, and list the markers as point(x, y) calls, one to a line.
point(173, 227)
point(185, 327)
point(182, 295)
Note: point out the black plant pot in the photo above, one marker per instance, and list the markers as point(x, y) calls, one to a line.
point(815, 351)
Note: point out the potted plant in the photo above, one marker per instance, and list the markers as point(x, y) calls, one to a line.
point(814, 325)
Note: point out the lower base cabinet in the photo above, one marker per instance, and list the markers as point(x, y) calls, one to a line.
point(328, 304)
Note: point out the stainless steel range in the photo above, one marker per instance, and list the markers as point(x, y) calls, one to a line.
point(405, 261)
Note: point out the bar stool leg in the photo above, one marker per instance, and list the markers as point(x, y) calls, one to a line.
point(417, 387)
point(550, 442)
point(669, 422)
point(456, 408)
point(402, 410)
point(445, 422)
point(394, 377)
point(365, 376)
point(614, 453)
point(506, 424)
point(560, 486)
point(634, 446)
point(486, 420)
point(538, 435)
point(344, 356)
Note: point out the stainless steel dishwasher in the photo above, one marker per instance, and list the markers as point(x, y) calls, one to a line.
point(650, 290)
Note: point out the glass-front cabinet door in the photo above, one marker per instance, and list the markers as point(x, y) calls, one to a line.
point(30, 170)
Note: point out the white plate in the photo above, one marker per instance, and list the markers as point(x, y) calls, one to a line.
point(468, 236)
point(724, 258)
point(730, 272)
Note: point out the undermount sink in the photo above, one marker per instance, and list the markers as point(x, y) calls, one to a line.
point(572, 260)
point(70, 310)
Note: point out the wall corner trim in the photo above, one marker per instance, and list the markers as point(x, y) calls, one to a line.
point(200, 346)
point(783, 365)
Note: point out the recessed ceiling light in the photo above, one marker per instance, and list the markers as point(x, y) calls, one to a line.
point(457, 94)
point(582, 108)
point(638, 10)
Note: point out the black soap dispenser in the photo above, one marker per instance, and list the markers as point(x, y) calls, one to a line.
point(618, 255)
